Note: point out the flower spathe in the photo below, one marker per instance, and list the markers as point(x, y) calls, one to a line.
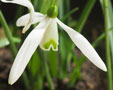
point(45, 35)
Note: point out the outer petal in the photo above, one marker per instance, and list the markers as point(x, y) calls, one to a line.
point(23, 20)
point(50, 39)
point(26, 51)
point(25, 3)
point(85, 47)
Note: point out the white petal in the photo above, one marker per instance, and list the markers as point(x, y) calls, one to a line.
point(26, 51)
point(23, 20)
point(85, 47)
point(50, 39)
point(25, 3)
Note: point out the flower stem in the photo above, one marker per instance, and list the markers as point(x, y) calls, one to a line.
point(85, 14)
point(8, 33)
point(55, 2)
point(46, 3)
point(12, 44)
point(110, 83)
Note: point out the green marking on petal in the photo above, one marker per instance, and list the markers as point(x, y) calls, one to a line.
point(51, 42)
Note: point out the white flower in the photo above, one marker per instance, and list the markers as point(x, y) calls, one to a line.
point(45, 35)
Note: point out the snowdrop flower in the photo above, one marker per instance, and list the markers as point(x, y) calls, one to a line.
point(45, 35)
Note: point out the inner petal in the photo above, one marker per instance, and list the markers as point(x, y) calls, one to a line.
point(50, 39)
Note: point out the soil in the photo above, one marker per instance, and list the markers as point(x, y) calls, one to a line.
point(92, 78)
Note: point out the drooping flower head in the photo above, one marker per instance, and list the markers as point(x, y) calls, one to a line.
point(45, 35)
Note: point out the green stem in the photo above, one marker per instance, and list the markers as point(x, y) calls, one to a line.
point(47, 4)
point(36, 4)
point(108, 46)
point(12, 44)
point(85, 14)
point(8, 33)
point(61, 9)
point(46, 68)
point(55, 2)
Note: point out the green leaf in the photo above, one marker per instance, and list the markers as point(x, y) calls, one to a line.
point(76, 74)
point(4, 41)
point(34, 65)
point(52, 56)
point(16, 40)
point(65, 50)
point(39, 80)
point(69, 13)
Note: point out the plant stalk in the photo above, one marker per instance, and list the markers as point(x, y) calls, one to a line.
point(8, 33)
point(108, 57)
